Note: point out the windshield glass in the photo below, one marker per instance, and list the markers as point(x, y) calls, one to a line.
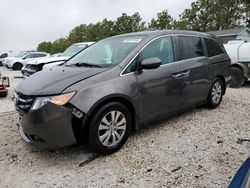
point(74, 49)
point(106, 53)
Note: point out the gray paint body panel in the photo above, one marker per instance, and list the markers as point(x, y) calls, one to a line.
point(155, 94)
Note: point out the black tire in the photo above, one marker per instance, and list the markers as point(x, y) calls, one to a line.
point(238, 80)
point(17, 66)
point(94, 142)
point(3, 94)
point(211, 102)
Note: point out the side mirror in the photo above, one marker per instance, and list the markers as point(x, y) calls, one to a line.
point(150, 63)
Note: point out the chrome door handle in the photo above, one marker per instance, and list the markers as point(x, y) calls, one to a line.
point(180, 75)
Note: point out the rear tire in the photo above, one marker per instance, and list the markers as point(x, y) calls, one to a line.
point(215, 94)
point(17, 66)
point(238, 79)
point(3, 94)
point(109, 128)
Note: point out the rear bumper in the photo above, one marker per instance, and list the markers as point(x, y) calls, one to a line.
point(48, 127)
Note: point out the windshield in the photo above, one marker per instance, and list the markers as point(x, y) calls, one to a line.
point(106, 53)
point(74, 49)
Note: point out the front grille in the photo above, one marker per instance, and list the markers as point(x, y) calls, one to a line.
point(23, 103)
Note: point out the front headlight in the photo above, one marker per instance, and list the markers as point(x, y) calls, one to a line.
point(58, 100)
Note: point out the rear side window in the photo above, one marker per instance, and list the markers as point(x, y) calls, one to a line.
point(213, 48)
point(190, 47)
point(40, 55)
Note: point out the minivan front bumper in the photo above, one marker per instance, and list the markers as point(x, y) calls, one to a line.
point(48, 127)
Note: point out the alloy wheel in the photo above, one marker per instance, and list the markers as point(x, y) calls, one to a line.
point(216, 92)
point(112, 128)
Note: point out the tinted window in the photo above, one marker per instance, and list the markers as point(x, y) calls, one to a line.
point(28, 56)
point(190, 47)
point(213, 48)
point(161, 48)
point(40, 55)
point(4, 55)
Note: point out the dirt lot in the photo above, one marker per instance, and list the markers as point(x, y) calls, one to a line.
point(201, 148)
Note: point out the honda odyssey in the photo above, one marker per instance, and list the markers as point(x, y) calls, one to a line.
point(121, 84)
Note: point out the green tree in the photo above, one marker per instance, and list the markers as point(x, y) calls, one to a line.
point(245, 6)
point(207, 15)
point(44, 47)
point(127, 24)
point(59, 45)
point(164, 21)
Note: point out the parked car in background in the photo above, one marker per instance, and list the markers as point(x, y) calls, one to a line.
point(4, 84)
point(5, 55)
point(10, 58)
point(120, 84)
point(18, 62)
point(239, 52)
point(37, 65)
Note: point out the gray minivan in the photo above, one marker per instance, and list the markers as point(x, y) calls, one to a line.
point(119, 85)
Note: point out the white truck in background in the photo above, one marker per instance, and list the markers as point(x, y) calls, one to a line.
point(239, 52)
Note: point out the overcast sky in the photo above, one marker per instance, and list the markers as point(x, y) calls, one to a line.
point(26, 23)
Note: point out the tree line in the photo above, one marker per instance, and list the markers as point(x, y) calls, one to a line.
point(203, 15)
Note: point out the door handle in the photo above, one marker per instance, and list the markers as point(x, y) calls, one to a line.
point(180, 75)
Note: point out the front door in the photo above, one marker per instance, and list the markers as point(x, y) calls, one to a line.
point(160, 90)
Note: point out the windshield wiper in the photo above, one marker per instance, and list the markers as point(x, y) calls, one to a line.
point(87, 65)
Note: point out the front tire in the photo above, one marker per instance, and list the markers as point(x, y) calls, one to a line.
point(3, 94)
point(17, 66)
point(238, 79)
point(215, 94)
point(109, 128)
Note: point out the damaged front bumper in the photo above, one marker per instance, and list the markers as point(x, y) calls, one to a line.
point(48, 127)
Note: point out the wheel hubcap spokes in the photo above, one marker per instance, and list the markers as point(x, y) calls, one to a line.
point(112, 128)
point(216, 92)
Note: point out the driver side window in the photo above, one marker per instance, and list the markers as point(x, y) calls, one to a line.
point(161, 48)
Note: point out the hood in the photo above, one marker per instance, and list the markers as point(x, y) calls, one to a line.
point(48, 60)
point(30, 61)
point(54, 80)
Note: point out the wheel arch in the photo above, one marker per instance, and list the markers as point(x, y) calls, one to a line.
point(115, 98)
point(242, 68)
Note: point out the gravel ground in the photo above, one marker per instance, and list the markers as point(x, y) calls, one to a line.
point(200, 148)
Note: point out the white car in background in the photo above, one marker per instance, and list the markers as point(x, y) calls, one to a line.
point(6, 55)
point(17, 63)
point(38, 65)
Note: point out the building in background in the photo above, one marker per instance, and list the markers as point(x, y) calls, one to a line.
point(233, 34)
